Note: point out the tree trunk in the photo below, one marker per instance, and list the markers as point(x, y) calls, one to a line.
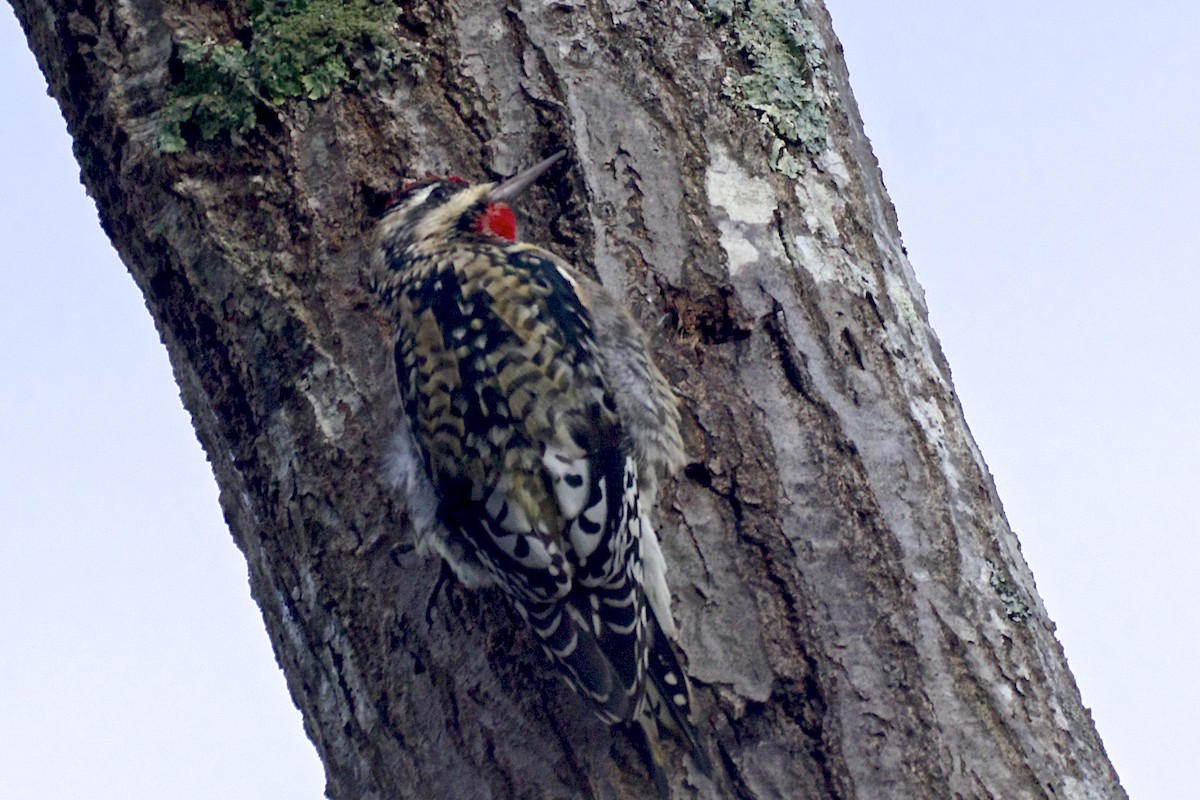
point(856, 615)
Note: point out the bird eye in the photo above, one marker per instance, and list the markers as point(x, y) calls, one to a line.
point(441, 192)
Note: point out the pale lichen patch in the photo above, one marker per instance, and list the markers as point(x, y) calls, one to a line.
point(932, 422)
point(818, 204)
point(829, 265)
point(832, 163)
point(912, 329)
point(902, 301)
point(744, 198)
point(738, 250)
point(748, 206)
point(332, 397)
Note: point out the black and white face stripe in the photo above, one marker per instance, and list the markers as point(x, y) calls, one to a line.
point(419, 199)
point(429, 215)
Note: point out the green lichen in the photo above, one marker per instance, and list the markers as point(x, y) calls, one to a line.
point(1013, 599)
point(217, 93)
point(297, 48)
point(781, 47)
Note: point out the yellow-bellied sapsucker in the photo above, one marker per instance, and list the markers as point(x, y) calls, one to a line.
point(537, 430)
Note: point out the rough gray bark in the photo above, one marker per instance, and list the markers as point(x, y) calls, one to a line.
point(856, 614)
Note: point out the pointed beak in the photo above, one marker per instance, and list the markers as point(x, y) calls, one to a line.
point(507, 190)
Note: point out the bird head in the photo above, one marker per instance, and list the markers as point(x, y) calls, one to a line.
point(442, 209)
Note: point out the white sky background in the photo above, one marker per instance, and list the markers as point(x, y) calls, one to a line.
point(1043, 159)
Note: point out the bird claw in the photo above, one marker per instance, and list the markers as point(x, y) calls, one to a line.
point(443, 578)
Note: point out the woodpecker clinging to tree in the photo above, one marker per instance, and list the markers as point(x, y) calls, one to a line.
point(537, 430)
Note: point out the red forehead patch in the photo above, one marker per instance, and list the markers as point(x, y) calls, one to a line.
point(428, 179)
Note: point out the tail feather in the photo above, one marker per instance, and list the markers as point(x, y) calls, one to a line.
point(648, 746)
point(668, 696)
point(571, 644)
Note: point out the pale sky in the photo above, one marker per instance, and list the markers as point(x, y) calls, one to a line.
point(1043, 160)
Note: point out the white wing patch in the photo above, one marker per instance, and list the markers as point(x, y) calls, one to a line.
point(654, 579)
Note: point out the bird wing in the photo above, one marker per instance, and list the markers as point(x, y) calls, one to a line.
point(496, 358)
